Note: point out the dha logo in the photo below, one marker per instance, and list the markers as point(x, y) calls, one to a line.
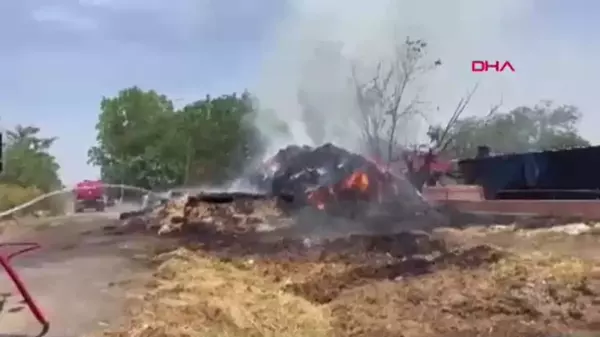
point(497, 66)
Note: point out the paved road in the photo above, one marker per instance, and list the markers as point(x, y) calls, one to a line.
point(77, 277)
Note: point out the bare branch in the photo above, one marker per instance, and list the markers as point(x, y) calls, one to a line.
point(443, 142)
point(494, 108)
point(381, 99)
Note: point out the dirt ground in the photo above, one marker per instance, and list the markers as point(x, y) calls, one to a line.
point(457, 282)
point(226, 281)
point(80, 277)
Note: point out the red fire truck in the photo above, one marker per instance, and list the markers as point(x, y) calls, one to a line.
point(89, 194)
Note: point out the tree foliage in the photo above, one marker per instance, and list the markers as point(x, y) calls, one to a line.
point(29, 170)
point(28, 162)
point(542, 127)
point(215, 138)
point(135, 133)
point(144, 141)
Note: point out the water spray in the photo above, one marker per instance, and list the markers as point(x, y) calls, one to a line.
point(68, 190)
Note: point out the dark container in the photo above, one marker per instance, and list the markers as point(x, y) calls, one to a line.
point(563, 174)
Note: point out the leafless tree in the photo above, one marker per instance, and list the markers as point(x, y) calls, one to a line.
point(382, 100)
point(441, 136)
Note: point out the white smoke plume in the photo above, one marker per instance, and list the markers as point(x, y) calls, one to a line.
point(457, 32)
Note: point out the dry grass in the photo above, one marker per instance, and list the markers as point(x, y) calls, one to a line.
point(13, 195)
point(585, 245)
point(240, 215)
point(516, 296)
point(519, 294)
point(197, 295)
point(478, 282)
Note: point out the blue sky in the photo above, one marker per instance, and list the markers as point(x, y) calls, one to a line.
point(59, 57)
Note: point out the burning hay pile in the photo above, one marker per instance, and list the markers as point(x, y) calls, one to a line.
point(326, 180)
point(329, 177)
point(244, 277)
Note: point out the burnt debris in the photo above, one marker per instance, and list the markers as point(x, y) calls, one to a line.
point(333, 179)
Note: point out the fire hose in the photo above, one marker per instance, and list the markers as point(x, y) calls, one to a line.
point(25, 247)
point(5, 261)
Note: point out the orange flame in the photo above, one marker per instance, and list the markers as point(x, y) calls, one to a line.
point(358, 180)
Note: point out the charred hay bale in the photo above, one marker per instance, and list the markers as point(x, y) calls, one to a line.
point(262, 177)
point(308, 170)
point(319, 184)
point(345, 184)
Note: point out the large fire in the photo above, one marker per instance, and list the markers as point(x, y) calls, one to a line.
point(334, 180)
point(357, 181)
point(358, 186)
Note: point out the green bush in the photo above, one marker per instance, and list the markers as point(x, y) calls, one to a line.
point(13, 195)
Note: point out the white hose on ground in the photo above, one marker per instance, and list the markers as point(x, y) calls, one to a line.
point(65, 190)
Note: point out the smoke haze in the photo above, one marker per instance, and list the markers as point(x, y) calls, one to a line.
point(301, 60)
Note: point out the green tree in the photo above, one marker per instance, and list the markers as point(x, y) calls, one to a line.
point(542, 127)
point(136, 131)
point(143, 141)
point(216, 139)
point(28, 161)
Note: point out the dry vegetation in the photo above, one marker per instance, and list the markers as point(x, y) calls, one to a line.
point(472, 282)
point(13, 195)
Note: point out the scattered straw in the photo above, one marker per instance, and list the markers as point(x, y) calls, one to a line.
point(196, 295)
